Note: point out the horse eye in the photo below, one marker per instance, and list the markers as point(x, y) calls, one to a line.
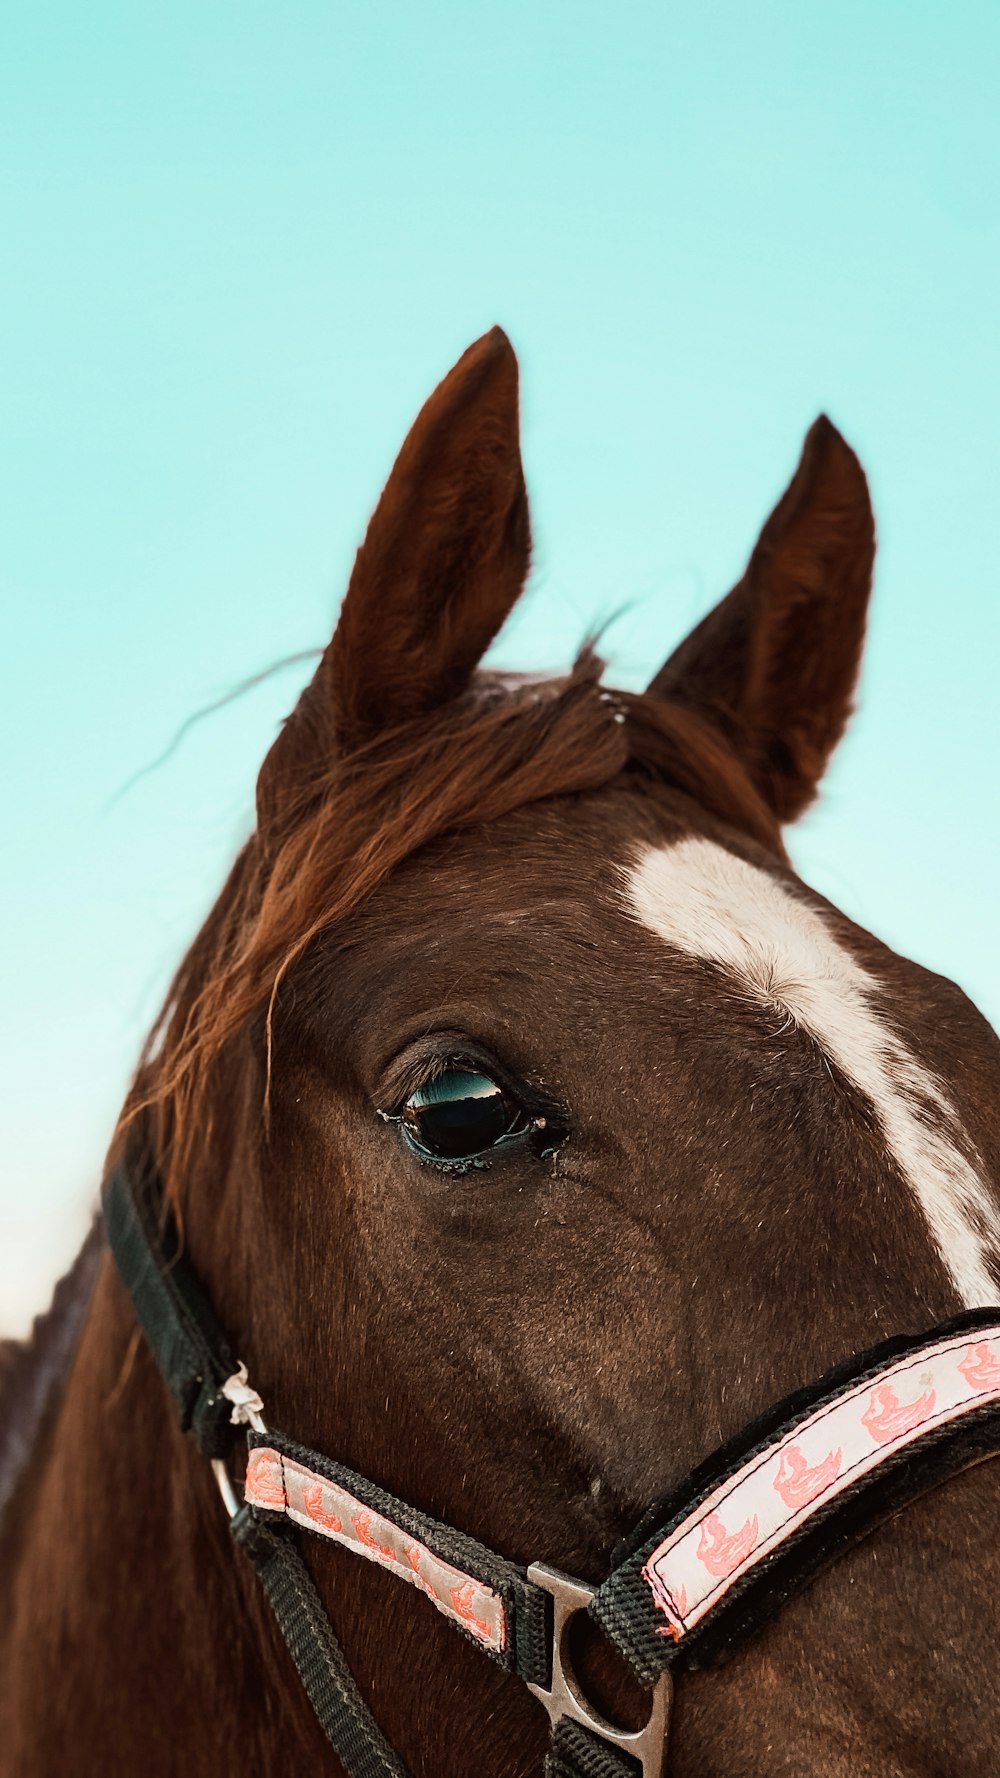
point(460, 1115)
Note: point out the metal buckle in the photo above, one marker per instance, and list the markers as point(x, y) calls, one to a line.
point(647, 1745)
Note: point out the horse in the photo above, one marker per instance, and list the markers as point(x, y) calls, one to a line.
point(533, 1127)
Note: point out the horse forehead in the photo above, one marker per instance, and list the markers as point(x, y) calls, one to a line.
point(715, 906)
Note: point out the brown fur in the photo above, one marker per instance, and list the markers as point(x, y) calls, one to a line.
point(775, 663)
point(478, 760)
point(535, 1352)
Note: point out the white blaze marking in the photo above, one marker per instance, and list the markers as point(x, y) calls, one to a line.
point(710, 904)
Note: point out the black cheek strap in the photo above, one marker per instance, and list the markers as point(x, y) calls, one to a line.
point(317, 1656)
point(175, 1314)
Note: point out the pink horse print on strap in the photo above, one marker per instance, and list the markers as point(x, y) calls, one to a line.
point(797, 1484)
point(312, 1500)
point(887, 1418)
point(981, 1367)
point(721, 1553)
point(764, 1502)
point(277, 1483)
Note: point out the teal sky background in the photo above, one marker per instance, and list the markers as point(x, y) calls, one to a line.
point(242, 242)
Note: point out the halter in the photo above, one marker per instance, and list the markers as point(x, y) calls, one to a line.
point(702, 1571)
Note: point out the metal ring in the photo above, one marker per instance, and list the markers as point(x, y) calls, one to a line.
point(225, 1485)
point(566, 1698)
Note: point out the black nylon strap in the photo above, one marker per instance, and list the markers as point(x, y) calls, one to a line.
point(175, 1314)
point(576, 1753)
point(341, 1711)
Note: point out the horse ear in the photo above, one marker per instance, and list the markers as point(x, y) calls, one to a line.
point(443, 562)
point(775, 664)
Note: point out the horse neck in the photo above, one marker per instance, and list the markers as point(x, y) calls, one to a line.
point(33, 1371)
point(132, 1636)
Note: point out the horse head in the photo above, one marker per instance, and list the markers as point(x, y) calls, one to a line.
point(535, 1126)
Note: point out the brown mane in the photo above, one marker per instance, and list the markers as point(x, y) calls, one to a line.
point(33, 1370)
point(500, 747)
